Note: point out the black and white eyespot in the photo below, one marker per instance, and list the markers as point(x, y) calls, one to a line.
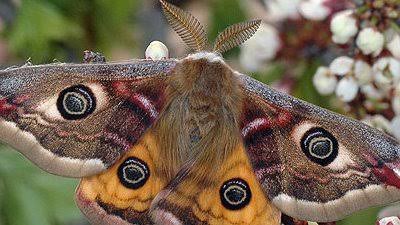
point(235, 194)
point(133, 173)
point(319, 146)
point(76, 102)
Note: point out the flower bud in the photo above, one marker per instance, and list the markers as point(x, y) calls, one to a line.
point(387, 71)
point(156, 51)
point(282, 9)
point(390, 220)
point(324, 81)
point(341, 65)
point(393, 44)
point(371, 92)
point(396, 105)
point(379, 122)
point(263, 46)
point(314, 10)
point(370, 41)
point(343, 26)
point(362, 72)
point(347, 89)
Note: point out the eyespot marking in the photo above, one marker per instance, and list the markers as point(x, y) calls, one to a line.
point(319, 146)
point(133, 173)
point(235, 194)
point(76, 102)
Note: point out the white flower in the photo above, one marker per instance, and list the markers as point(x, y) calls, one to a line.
point(249, 62)
point(372, 92)
point(393, 43)
point(314, 10)
point(263, 46)
point(389, 221)
point(343, 26)
point(324, 81)
point(378, 121)
point(282, 9)
point(394, 68)
point(370, 41)
point(392, 210)
point(156, 51)
point(387, 71)
point(347, 89)
point(362, 72)
point(341, 65)
point(396, 100)
point(396, 105)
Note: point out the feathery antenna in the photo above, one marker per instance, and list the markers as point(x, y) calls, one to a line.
point(186, 25)
point(235, 35)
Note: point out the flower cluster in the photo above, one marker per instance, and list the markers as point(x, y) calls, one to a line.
point(292, 30)
point(389, 221)
point(368, 79)
point(372, 26)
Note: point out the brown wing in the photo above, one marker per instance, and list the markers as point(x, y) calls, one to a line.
point(77, 120)
point(314, 164)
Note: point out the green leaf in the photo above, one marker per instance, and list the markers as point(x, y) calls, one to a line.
point(51, 196)
point(365, 217)
point(24, 206)
point(41, 30)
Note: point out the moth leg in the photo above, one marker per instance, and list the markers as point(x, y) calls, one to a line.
point(93, 57)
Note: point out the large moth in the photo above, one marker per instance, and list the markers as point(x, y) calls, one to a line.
point(192, 141)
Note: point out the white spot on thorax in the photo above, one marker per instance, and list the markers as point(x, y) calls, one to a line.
point(210, 56)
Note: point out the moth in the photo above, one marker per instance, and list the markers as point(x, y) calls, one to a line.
point(192, 141)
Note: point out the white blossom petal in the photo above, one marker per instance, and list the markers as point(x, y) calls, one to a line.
point(395, 127)
point(379, 122)
point(262, 47)
point(343, 26)
point(383, 80)
point(250, 63)
point(389, 221)
point(314, 10)
point(391, 210)
point(396, 105)
point(393, 45)
point(371, 92)
point(394, 68)
point(370, 41)
point(282, 9)
point(386, 71)
point(381, 64)
point(324, 81)
point(347, 89)
point(341, 65)
point(156, 51)
point(362, 72)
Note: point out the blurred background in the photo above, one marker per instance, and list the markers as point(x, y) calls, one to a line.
point(339, 54)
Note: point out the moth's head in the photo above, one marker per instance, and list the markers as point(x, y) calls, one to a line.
point(193, 34)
